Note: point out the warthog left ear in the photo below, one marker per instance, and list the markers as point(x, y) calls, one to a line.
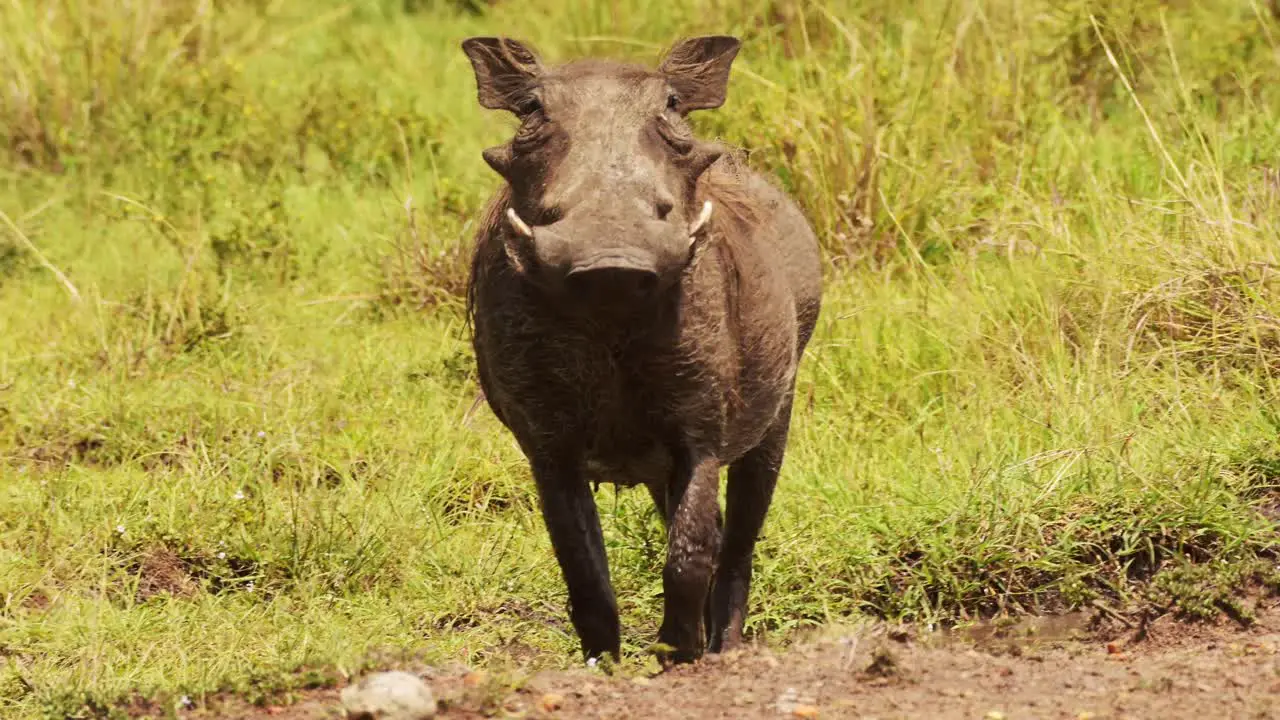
point(505, 72)
point(698, 69)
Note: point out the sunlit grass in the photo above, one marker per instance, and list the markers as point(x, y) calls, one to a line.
point(1046, 371)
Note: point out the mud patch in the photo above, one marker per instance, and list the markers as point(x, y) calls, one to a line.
point(1016, 635)
point(170, 567)
point(161, 572)
point(86, 447)
point(1173, 669)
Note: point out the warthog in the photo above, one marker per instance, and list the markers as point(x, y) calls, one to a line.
point(639, 301)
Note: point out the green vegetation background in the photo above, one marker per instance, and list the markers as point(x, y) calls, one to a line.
point(236, 450)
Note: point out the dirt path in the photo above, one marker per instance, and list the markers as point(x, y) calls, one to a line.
point(1172, 670)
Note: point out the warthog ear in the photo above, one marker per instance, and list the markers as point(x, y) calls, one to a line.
point(505, 72)
point(698, 69)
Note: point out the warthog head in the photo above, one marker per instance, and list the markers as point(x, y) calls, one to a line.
point(603, 167)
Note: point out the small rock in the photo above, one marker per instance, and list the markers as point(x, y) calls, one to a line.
point(787, 701)
point(393, 695)
point(551, 702)
point(792, 703)
point(1114, 648)
point(475, 679)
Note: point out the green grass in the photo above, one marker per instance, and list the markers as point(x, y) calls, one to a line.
point(235, 448)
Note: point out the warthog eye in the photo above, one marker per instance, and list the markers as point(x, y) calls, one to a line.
point(673, 101)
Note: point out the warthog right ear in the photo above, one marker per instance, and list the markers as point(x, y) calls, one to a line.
point(505, 72)
point(698, 70)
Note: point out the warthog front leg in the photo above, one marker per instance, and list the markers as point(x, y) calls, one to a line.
point(659, 495)
point(750, 490)
point(693, 539)
point(569, 511)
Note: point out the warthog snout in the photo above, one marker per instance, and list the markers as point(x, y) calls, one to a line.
point(601, 274)
point(612, 277)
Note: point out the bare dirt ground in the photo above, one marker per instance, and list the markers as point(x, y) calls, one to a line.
point(1049, 668)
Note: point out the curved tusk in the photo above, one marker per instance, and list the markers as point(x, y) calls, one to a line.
point(697, 235)
point(520, 226)
point(701, 222)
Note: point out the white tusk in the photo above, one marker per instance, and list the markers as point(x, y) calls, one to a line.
point(701, 222)
point(518, 224)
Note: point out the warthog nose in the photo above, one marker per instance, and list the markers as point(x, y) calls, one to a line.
point(611, 281)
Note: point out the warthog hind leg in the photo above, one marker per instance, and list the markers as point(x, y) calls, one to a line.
point(750, 490)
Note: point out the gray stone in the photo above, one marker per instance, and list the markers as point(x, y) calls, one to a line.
point(392, 695)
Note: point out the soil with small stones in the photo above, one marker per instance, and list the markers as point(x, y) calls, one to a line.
point(1064, 667)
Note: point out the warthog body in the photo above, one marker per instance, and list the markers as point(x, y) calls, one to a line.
point(640, 301)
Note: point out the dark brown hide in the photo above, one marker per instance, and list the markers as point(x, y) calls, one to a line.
point(619, 341)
